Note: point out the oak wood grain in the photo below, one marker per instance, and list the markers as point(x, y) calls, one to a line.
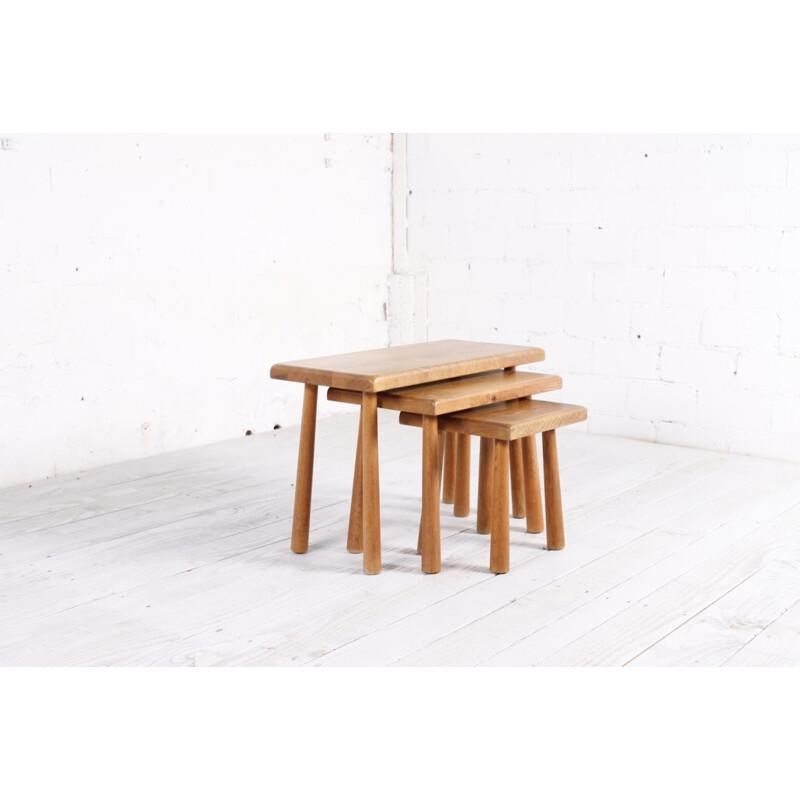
point(461, 498)
point(485, 472)
point(406, 365)
point(305, 471)
point(449, 474)
point(517, 479)
point(457, 394)
point(534, 512)
point(499, 546)
point(508, 421)
point(370, 509)
point(355, 526)
point(430, 544)
point(552, 492)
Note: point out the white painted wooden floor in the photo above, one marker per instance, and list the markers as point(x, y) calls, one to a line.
point(674, 557)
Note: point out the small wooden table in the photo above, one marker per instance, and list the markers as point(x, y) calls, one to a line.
point(371, 372)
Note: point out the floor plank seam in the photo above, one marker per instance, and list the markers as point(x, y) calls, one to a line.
point(190, 564)
point(689, 619)
point(627, 578)
point(670, 582)
point(759, 633)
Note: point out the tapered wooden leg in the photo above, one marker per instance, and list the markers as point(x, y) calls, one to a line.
point(517, 480)
point(354, 538)
point(461, 501)
point(430, 544)
point(485, 468)
point(499, 558)
point(440, 461)
point(449, 475)
point(533, 495)
point(371, 514)
point(305, 471)
point(552, 492)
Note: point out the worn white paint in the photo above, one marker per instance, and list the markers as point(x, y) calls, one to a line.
point(660, 273)
point(408, 283)
point(673, 556)
point(148, 282)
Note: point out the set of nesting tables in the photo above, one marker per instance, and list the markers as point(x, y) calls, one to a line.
point(436, 385)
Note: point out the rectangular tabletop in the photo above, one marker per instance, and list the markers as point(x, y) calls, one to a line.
point(512, 420)
point(456, 394)
point(405, 365)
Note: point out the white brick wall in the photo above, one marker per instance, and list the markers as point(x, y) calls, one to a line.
point(661, 273)
point(147, 284)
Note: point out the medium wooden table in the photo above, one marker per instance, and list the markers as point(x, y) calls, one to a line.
point(371, 372)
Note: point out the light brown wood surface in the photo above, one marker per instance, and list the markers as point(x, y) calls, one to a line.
point(457, 394)
point(552, 492)
point(508, 421)
point(305, 472)
point(485, 471)
point(533, 495)
point(370, 513)
point(499, 547)
point(355, 526)
point(449, 474)
point(406, 365)
point(370, 372)
point(430, 539)
point(534, 511)
point(514, 424)
point(517, 479)
point(461, 498)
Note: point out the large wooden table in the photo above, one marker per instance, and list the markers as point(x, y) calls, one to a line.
point(371, 372)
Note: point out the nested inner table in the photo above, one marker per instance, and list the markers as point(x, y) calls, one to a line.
point(371, 372)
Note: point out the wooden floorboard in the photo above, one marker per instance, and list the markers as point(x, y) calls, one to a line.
point(582, 578)
point(674, 557)
point(777, 645)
